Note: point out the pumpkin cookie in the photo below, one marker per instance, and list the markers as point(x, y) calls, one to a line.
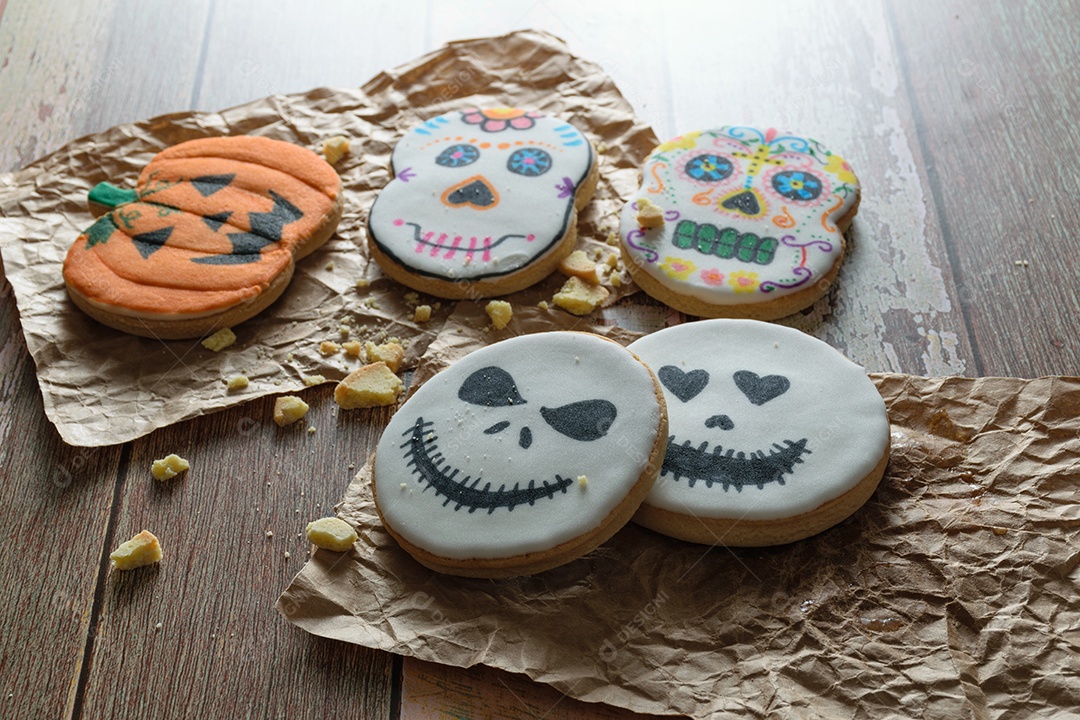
point(774, 435)
point(521, 456)
point(739, 222)
point(483, 202)
point(208, 238)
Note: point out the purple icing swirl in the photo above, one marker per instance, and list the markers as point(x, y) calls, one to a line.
point(802, 272)
point(823, 245)
point(651, 255)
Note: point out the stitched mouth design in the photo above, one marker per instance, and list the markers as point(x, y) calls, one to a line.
point(449, 246)
point(430, 467)
point(730, 468)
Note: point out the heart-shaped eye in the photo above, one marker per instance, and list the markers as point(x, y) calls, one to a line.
point(683, 385)
point(490, 386)
point(760, 390)
point(585, 420)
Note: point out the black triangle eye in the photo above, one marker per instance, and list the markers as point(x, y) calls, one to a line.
point(491, 387)
point(585, 420)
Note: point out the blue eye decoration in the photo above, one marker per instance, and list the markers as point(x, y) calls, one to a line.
point(709, 168)
point(796, 185)
point(529, 162)
point(458, 156)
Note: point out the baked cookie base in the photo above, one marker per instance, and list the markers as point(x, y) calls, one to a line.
point(765, 310)
point(155, 325)
point(465, 289)
point(736, 532)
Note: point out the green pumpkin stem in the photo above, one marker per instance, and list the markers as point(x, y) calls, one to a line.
point(111, 196)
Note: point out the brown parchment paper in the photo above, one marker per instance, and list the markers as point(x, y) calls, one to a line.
point(950, 594)
point(102, 387)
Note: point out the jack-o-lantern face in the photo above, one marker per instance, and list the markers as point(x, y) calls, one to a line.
point(764, 421)
point(517, 447)
point(750, 215)
point(479, 194)
point(211, 225)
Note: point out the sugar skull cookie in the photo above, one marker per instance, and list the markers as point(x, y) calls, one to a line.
point(483, 202)
point(773, 435)
point(522, 456)
point(739, 222)
point(207, 239)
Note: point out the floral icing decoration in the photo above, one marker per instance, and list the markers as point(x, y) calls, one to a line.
point(743, 281)
point(499, 119)
point(678, 268)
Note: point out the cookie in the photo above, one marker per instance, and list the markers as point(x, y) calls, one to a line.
point(208, 238)
point(483, 202)
point(521, 456)
point(774, 435)
point(738, 222)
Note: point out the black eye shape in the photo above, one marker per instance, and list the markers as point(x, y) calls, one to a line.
point(491, 387)
point(709, 168)
point(585, 420)
point(529, 162)
point(458, 156)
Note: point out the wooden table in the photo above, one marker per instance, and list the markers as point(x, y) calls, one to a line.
point(959, 116)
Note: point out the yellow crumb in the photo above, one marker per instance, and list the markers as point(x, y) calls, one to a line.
point(363, 284)
point(390, 353)
point(612, 238)
point(330, 266)
point(612, 260)
point(237, 382)
point(543, 304)
point(220, 340)
point(328, 348)
point(143, 549)
point(649, 215)
point(288, 409)
point(169, 467)
point(422, 313)
point(615, 279)
point(602, 148)
point(331, 533)
point(500, 313)
point(579, 298)
point(311, 430)
point(412, 299)
point(344, 330)
point(578, 264)
point(353, 348)
point(311, 380)
point(582, 480)
point(335, 148)
point(372, 385)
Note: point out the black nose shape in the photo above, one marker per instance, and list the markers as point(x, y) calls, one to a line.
point(477, 193)
point(721, 421)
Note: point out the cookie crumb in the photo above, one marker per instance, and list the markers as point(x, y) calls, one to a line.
point(1021, 263)
point(335, 148)
point(649, 215)
point(500, 313)
point(612, 238)
point(422, 313)
point(344, 330)
point(391, 353)
point(363, 284)
point(543, 305)
point(328, 348)
point(288, 409)
point(288, 554)
point(616, 279)
point(311, 430)
point(169, 467)
point(330, 266)
point(237, 382)
point(143, 549)
point(582, 480)
point(373, 385)
point(331, 533)
point(1000, 531)
point(602, 148)
point(269, 533)
point(580, 298)
point(311, 380)
point(578, 264)
point(353, 348)
point(220, 340)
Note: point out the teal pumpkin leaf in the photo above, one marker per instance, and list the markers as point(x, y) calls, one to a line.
point(100, 231)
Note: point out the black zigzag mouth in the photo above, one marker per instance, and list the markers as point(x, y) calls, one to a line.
point(432, 469)
point(730, 468)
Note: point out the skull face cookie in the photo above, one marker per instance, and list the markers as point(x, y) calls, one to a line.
point(483, 202)
point(751, 226)
point(774, 435)
point(522, 456)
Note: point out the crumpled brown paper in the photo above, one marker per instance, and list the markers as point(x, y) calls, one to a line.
point(102, 387)
point(950, 594)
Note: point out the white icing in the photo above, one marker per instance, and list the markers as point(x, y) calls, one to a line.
point(549, 370)
point(479, 219)
point(830, 402)
point(754, 169)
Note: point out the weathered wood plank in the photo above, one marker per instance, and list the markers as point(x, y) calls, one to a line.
point(55, 503)
point(221, 649)
point(995, 90)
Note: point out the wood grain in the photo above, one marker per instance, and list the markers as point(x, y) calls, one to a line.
point(55, 501)
point(995, 89)
point(226, 527)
